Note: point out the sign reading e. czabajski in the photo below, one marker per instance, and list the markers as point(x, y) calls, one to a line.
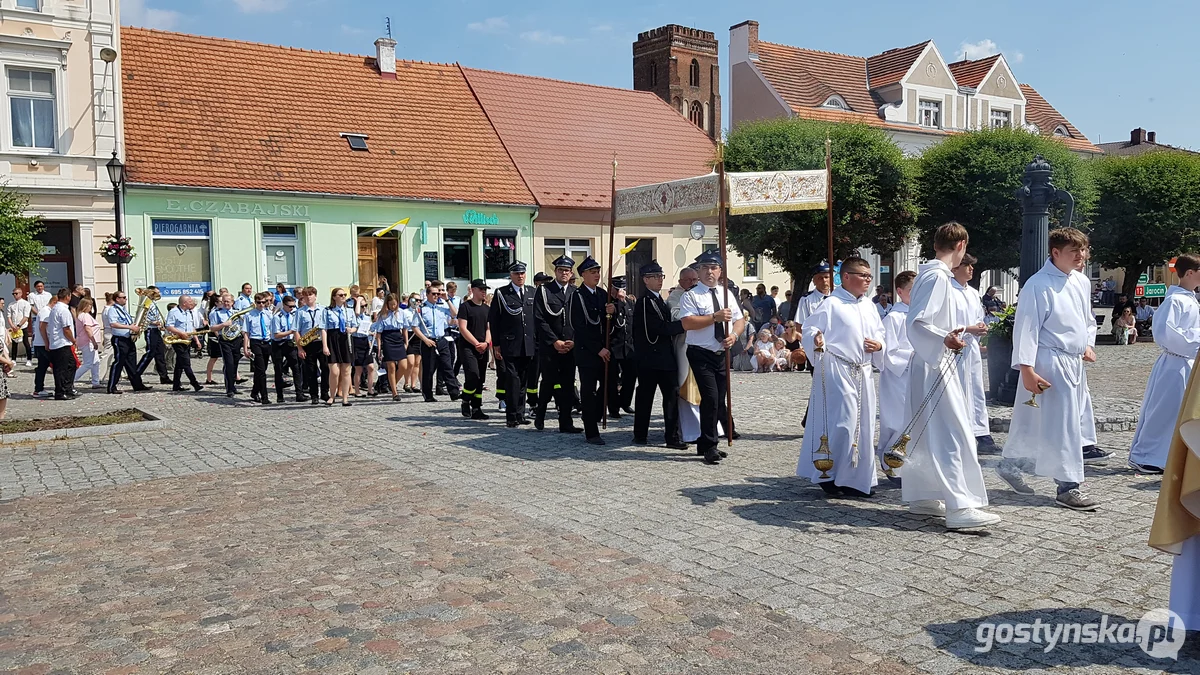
point(236, 208)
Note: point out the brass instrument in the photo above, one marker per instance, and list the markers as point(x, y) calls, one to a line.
point(148, 298)
point(310, 336)
point(173, 339)
point(234, 330)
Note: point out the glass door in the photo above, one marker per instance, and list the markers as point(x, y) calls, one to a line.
point(281, 255)
point(457, 254)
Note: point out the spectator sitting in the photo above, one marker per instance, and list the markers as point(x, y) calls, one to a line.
point(992, 305)
point(775, 327)
point(884, 305)
point(1119, 308)
point(791, 341)
point(1143, 315)
point(1125, 328)
point(783, 362)
point(764, 352)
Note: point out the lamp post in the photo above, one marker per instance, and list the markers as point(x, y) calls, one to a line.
point(116, 173)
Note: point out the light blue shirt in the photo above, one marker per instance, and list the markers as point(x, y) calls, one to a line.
point(308, 318)
point(258, 324)
point(434, 319)
point(339, 318)
point(364, 326)
point(117, 314)
point(398, 320)
point(285, 322)
point(242, 302)
point(220, 315)
point(181, 320)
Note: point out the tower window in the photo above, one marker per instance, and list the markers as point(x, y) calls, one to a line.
point(694, 74)
point(696, 114)
point(653, 74)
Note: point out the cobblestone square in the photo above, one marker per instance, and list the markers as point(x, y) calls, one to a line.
point(401, 537)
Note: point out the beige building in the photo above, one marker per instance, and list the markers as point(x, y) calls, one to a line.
point(58, 126)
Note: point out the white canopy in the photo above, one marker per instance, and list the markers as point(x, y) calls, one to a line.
point(692, 198)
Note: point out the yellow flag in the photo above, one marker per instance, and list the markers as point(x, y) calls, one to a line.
point(389, 228)
point(627, 249)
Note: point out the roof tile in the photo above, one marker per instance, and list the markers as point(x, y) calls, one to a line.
point(971, 73)
point(891, 66)
point(1039, 112)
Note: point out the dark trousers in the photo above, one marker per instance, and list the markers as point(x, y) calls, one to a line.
point(558, 382)
point(39, 372)
point(287, 360)
point(520, 382)
point(474, 367)
point(438, 359)
point(316, 370)
point(183, 364)
point(622, 378)
point(156, 350)
point(63, 360)
point(666, 382)
point(124, 357)
point(260, 354)
point(25, 342)
point(231, 355)
point(590, 403)
point(709, 370)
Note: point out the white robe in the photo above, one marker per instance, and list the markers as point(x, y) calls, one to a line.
point(842, 389)
point(807, 305)
point(1054, 325)
point(942, 463)
point(969, 312)
point(1087, 422)
point(893, 377)
point(1176, 328)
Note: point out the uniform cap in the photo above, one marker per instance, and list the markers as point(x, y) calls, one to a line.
point(563, 261)
point(587, 264)
point(517, 267)
point(710, 258)
point(651, 267)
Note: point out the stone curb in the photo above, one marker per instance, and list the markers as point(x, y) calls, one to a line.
point(1000, 425)
point(152, 423)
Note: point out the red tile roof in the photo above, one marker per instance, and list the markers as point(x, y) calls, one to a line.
point(1039, 112)
point(562, 136)
point(210, 112)
point(971, 73)
point(891, 66)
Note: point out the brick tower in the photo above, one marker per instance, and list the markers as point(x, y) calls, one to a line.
point(680, 64)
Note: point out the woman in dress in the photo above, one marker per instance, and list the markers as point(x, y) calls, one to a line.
point(392, 328)
point(791, 342)
point(90, 339)
point(413, 376)
point(362, 343)
point(340, 324)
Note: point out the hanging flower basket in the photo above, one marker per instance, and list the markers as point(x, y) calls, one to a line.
point(117, 249)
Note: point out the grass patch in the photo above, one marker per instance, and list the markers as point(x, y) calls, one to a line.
point(72, 422)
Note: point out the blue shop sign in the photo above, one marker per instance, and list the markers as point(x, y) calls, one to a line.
point(174, 290)
point(162, 227)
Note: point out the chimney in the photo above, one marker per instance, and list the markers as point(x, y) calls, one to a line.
point(1151, 136)
point(743, 42)
point(385, 57)
point(1137, 136)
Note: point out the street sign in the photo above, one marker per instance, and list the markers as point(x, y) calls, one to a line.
point(1143, 278)
point(1156, 290)
point(697, 230)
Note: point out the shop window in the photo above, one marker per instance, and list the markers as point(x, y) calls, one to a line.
point(182, 256)
point(32, 108)
point(456, 254)
point(35, 5)
point(752, 267)
point(575, 249)
point(499, 251)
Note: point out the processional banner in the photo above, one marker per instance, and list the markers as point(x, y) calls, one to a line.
point(691, 198)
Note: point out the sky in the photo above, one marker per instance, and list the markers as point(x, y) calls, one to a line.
point(1107, 66)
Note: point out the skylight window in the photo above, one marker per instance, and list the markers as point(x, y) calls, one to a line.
point(356, 141)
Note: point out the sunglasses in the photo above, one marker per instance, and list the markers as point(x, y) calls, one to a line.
point(260, 302)
point(120, 297)
point(340, 295)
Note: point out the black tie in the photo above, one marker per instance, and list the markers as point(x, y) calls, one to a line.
point(718, 326)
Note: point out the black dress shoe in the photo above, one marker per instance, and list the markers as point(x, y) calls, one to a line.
point(478, 414)
point(614, 415)
point(722, 453)
point(539, 423)
point(62, 397)
point(677, 446)
point(315, 401)
point(570, 430)
point(228, 395)
point(511, 424)
point(266, 401)
point(524, 421)
point(254, 397)
point(177, 389)
point(279, 399)
point(641, 441)
point(301, 398)
point(197, 387)
point(851, 492)
point(143, 388)
point(455, 397)
point(595, 440)
point(830, 489)
point(627, 410)
point(712, 457)
point(240, 380)
point(430, 399)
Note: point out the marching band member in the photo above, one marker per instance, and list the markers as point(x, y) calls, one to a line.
point(311, 317)
point(893, 376)
point(412, 376)
point(511, 319)
point(181, 322)
point(654, 351)
point(362, 350)
point(256, 344)
point(245, 300)
point(586, 313)
point(283, 349)
point(434, 318)
point(475, 339)
point(156, 349)
point(123, 331)
point(392, 328)
point(339, 325)
point(555, 344)
point(220, 319)
point(622, 370)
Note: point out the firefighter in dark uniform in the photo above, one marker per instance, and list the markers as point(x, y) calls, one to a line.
point(589, 306)
point(514, 332)
point(622, 370)
point(556, 347)
point(653, 333)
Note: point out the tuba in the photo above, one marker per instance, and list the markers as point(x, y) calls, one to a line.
point(147, 299)
point(234, 331)
point(173, 339)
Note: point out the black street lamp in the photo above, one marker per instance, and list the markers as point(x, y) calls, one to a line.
point(116, 174)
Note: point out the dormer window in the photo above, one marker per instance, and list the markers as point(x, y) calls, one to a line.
point(929, 113)
point(1001, 118)
point(356, 141)
point(1060, 130)
point(835, 102)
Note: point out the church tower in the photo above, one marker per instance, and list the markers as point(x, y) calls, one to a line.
point(680, 65)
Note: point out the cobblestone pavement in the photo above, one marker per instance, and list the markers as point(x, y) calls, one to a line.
point(747, 537)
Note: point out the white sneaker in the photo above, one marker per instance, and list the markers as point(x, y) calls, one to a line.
point(502, 406)
point(29, 364)
point(963, 519)
point(927, 507)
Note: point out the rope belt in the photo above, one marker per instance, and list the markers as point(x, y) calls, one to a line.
point(857, 378)
point(1178, 356)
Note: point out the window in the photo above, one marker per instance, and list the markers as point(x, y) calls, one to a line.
point(182, 255)
point(499, 251)
point(575, 249)
point(696, 114)
point(753, 267)
point(35, 5)
point(835, 102)
point(456, 253)
point(653, 74)
point(356, 141)
point(929, 114)
point(32, 105)
point(1001, 118)
point(694, 74)
point(1060, 130)
point(279, 231)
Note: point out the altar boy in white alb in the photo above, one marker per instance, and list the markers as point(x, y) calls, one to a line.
point(893, 376)
point(1176, 329)
point(846, 326)
point(969, 314)
point(1053, 334)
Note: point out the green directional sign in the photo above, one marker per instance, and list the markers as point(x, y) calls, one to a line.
point(1156, 290)
point(1144, 278)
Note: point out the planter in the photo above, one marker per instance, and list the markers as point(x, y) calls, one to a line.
point(1002, 379)
point(151, 423)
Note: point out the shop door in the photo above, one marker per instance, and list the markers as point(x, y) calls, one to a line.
point(368, 263)
point(634, 260)
point(58, 257)
point(281, 265)
point(387, 263)
point(457, 256)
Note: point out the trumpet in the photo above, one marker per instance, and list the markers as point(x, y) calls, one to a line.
point(173, 339)
point(234, 330)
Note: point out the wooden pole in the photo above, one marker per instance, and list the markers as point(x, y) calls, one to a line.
point(612, 227)
point(721, 207)
point(829, 203)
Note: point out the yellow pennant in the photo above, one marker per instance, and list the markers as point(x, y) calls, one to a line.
point(389, 228)
point(627, 249)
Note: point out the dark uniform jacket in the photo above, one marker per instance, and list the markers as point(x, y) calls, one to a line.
point(551, 317)
point(621, 338)
point(512, 321)
point(653, 331)
point(586, 307)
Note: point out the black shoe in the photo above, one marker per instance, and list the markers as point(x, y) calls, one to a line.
point(430, 399)
point(254, 397)
point(115, 391)
point(143, 388)
point(570, 430)
point(301, 398)
point(511, 424)
point(165, 380)
point(346, 404)
point(286, 385)
point(851, 492)
point(240, 380)
point(595, 440)
point(478, 414)
point(678, 445)
point(228, 395)
point(830, 489)
point(314, 401)
point(712, 457)
point(440, 391)
point(524, 421)
point(197, 386)
point(74, 393)
point(627, 410)
point(640, 441)
point(700, 452)
point(266, 401)
point(62, 397)
point(614, 415)
point(177, 388)
point(455, 397)
point(466, 408)
point(279, 399)
point(539, 423)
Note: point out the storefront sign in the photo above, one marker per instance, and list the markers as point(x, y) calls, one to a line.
point(174, 290)
point(237, 208)
point(182, 256)
point(476, 218)
point(179, 228)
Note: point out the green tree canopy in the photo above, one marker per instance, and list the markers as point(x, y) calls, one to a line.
point(971, 177)
point(1149, 211)
point(20, 249)
point(873, 192)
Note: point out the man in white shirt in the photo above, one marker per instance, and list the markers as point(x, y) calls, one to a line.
point(1143, 314)
point(713, 322)
point(808, 303)
point(17, 315)
point(59, 335)
point(40, 351)
point(40, 297)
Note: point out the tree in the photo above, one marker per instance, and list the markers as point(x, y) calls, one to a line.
point(873, 192)
point(20, 249)
point(1149, 211)
point(971, 177)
